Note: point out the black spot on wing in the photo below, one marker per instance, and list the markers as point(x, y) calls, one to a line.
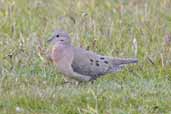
point(91, 60)
point(97, 64)
point(102, 58)
point(97, 61)
point(106, 62)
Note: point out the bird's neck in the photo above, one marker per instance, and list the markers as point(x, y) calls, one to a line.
point(64, 43)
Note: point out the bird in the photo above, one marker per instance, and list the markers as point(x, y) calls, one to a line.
point(80, 64)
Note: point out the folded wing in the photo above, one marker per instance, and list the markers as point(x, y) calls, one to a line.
point(91, 64)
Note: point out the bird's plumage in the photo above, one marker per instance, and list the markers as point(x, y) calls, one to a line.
point(92, 64)
point(81, 64)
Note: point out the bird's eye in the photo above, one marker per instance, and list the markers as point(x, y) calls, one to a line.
point(57, 35)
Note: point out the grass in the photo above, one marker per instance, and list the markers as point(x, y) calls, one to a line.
point(29, 86)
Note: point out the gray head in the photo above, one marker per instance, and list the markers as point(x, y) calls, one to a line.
point(60, 37)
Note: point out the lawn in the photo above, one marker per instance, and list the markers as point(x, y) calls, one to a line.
point(118, 28)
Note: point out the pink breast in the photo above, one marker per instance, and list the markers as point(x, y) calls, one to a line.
point(57, 54)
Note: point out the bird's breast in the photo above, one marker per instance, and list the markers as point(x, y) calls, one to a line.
point(61, 54)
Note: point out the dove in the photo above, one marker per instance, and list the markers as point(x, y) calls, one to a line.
point(80, 64)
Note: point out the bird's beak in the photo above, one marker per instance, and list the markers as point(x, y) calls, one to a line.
point(50, 39)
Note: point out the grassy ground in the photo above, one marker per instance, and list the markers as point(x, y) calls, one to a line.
point(29, 86)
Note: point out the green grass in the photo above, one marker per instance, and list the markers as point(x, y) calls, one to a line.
point(29, 86)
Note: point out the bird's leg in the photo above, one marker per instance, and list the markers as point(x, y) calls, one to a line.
point(66, 80)
point(71, 74)
point(80, 77)
point(69, 80)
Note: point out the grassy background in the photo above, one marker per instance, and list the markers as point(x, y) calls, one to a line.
point(29, 86)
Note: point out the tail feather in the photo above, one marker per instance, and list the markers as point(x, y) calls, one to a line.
point(121, 61)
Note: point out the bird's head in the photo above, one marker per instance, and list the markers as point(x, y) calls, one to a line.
point(60, 37)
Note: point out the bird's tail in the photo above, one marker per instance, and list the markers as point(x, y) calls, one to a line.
point(119, 63)
point(122, 61)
